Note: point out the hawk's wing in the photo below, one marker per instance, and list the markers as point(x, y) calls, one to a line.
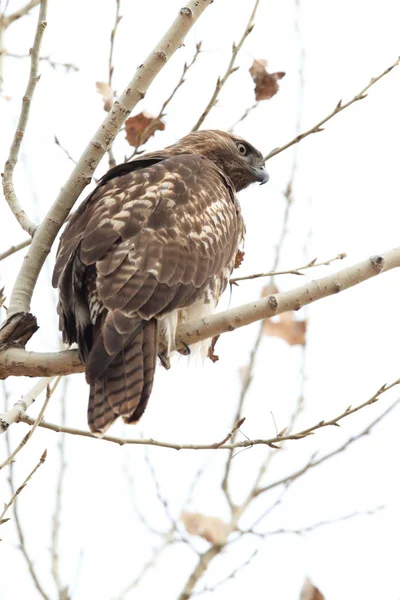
point(145, 243)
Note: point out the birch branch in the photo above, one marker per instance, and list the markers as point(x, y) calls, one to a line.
point(8, 183)
point(338, 108)
point(81, 175)
point(15, 361)
point(14, 413)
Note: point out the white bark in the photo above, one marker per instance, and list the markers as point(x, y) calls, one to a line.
point(14, 361)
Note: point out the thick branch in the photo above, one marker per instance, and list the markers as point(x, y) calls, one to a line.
point(14, 361)
point(8, 183)
point(82, 173)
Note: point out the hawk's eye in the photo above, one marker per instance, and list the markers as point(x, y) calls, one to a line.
point(242, 149)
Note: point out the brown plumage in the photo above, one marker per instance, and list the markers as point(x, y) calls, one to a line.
point(151, 246)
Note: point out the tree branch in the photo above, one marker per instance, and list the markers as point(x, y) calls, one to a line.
point(230, 70)
point(20, 13)
point(8, 183)
point(15, 361)
point(14, 249)
point(82, 173)
point(339, 107)
point(271, 442)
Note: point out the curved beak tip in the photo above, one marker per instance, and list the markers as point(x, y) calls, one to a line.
point(265, 177)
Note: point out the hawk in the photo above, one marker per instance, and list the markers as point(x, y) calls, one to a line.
point(151, 247)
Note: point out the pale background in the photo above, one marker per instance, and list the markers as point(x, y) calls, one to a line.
point(346, 191)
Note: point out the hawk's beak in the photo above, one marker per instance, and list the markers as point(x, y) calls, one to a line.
point(260, 174)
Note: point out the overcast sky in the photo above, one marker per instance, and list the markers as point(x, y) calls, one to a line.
point(346, 199)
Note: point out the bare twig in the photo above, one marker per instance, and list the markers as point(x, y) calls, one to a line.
point(231, 575)
point(244, 116)
point(314, 526)
point(161, 114)
point(339, 107)
point(14, 249)
point(316, 461)
point(46, 232)
point(55, 533)
point(52, 63)
point(271, 442)
point(295, 271)
point(27, 437)
point(231, 68)
point(21, 487)
point(15, 361)
point(18, 524)
point(8, 183)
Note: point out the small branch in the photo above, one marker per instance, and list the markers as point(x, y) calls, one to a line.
point(26, 438)
point(339, 107)
point(62, 590)
point(313, 526)
point(231, 575)
point(80, 177)
point(295, 271)
point(231, 68)
point(18, 524)
point(52, 63)
point(244, 116)
point(13, 415)
point(14, 249)
point(271, 442)
point(8, 183)
point(15, 361)
point(161, 114)
point(314, 462)
point(20, 13)
point(21, 487)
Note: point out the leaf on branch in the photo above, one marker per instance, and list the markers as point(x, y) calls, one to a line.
point(141, 127)
point(211, 354)
point(107, 94)
point(212, 529)
point(238, 259)
point(310, 592)
point(266, 83)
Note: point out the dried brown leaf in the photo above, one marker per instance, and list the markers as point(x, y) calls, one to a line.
point(212, 529)
point(287, 328)
point(141, 127)
point(106, 92)
point(211, 354)
point(310, 592)
point(238, 259)
point(266, 83)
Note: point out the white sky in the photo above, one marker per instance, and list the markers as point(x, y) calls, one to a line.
point(346, 191)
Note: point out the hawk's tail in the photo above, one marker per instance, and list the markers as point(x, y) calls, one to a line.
point(123, 389)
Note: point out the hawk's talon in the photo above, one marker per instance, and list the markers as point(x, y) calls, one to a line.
point(166, 363)
point(184, 349)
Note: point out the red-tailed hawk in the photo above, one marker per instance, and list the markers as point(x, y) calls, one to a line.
point(153, 245)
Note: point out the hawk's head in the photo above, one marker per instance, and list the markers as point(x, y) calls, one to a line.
point(243, 163)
